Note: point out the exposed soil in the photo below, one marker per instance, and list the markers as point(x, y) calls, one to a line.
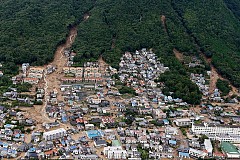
point(215, 76)
point(163, 20)
point(213, 80)
point(178, 55)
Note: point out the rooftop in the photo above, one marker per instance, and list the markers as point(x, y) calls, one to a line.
point(229, 148)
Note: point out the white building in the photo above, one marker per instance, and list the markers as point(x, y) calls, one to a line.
point(182, 122)
point(197, 153)
point(115, 153)
point(171, 130)
point(215, 129)
point(208, 146)
point(225, 138)
point(54, 134)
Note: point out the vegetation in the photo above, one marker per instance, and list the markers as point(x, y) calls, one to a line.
point(32, 30)
point(24, 87)
point(127, 90)
point(183, 130)
point(215, 28)
point(156, 123)
point(223, 86)
point(144, 152)
point(202, 138)
point(181, 87)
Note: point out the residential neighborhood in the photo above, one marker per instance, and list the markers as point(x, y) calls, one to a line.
point(98, 112)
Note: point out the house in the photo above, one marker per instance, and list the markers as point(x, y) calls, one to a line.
point(166, 121)
point(158, 113)
point(35, 75)
point(182, 122)
point(36, 70)
point(171, 130)
point(197, 153)
point(30, 80)
point(183, 155)
point(100, 143)
point(208, 146)
point(115, 152)
point(2, 109)
point(89, 126)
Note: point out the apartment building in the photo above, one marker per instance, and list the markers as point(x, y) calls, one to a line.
point(54, 134)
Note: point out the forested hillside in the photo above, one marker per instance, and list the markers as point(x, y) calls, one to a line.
point(118, 26)
point(31, 30)
point(216, 28)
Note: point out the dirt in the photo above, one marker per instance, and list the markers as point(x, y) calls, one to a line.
point(178, 55)
point(213, 80)
point(102, 65)
point(215, 76)
point(163, 20)
point(51, 82)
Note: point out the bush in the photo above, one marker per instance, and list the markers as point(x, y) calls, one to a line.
point(127, 90)
point(223, 86)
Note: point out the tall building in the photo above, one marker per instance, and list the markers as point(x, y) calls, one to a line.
point(222, 133)
point(215, 129)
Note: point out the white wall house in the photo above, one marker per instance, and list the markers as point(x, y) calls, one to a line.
point(182, 122)
point(54, 134)
point(197, 153)
point(115, 153)
point(208, 146)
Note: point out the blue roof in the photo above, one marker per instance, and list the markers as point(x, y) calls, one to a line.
point(94, 133)
point(32, 149)
point(5, 144)
point(165, 121)
point(172, 142)
point(73, 147)
point(63, 142)
point(17, 135)
point(8, 125)
point(64, 118)
point(183, 154)
point(4, 148)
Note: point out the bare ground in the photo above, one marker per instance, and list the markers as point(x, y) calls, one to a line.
point(215, 76)
point(163, 20)
point(178, 55)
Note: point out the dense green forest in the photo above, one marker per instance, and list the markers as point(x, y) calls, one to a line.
point(215, 27)
point(31, 30)
point(223, 86)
